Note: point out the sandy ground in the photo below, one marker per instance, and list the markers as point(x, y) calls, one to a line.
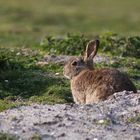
point(117, 118)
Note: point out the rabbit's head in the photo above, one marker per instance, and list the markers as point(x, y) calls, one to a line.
point(76, 64)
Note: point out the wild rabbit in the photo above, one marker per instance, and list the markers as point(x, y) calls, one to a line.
point(90, 85)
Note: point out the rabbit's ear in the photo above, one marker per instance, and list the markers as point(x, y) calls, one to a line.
point(91, 49)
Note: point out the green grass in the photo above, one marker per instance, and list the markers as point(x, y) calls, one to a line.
point(21, 77)
point(6, 136)
point(36, 137)
point(8, 104)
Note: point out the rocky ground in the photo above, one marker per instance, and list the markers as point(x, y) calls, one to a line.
point(117, 118)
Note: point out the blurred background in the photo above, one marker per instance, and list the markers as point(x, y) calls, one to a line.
point(27, 20)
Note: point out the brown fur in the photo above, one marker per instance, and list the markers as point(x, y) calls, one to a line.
point(91, 86)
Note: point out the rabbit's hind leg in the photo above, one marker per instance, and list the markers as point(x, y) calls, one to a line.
point(101, 93)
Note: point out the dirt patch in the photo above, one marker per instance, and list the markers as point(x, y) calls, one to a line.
point(61, 59)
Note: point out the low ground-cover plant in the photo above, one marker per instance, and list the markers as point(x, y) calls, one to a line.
point(6, 136)
point(135, 119)
point(121, 46)
point(69, 45)
point(110, 42)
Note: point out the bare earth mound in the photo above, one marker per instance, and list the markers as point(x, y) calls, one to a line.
point(118, 118)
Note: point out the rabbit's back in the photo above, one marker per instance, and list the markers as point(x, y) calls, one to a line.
point(95, 85)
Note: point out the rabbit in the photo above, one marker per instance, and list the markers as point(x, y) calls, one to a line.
point(90, 85)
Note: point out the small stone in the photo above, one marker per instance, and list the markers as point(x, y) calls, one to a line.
point(87, 139)
point(41, 63)
point(101, 121)
point(62, 135)
point(23, 131)
point(18, 53)
point(6, 81)
point(49, 109)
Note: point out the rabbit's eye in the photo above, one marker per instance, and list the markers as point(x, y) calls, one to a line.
point(74, 63)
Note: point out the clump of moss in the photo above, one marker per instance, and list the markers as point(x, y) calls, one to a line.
point(135, 119)
point(6, 104)
point(36, 137)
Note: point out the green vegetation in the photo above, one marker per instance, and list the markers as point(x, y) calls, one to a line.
point(104, 122)
point(21, 77)
point(36, 137)
point(31, 29)
point(111, 43)
point(135, 119)
point(5, 136)
point(70, 45)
